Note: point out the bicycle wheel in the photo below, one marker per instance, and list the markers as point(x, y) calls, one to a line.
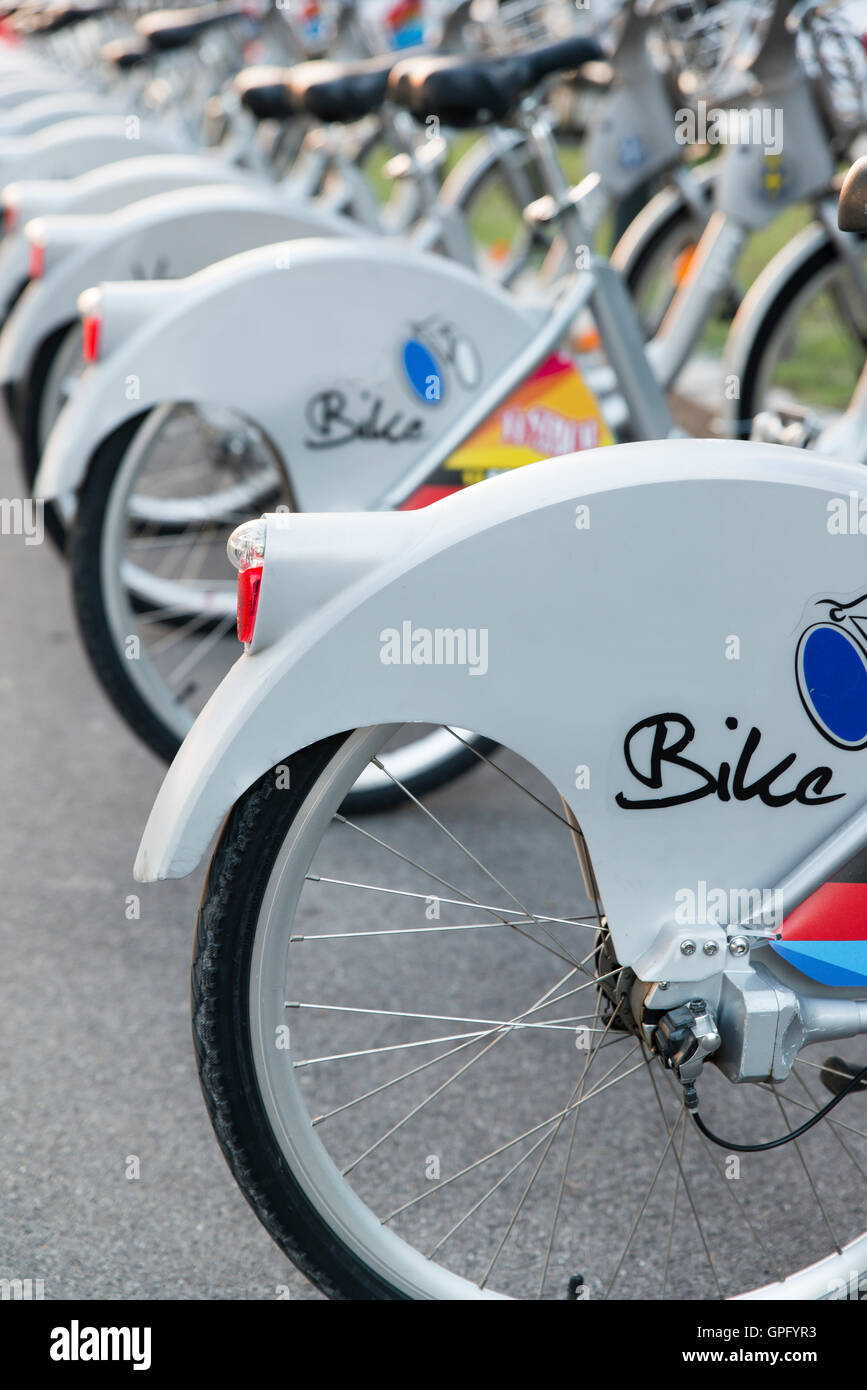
point(805, 352)
point(655, 252)
point(155, 596)
point(418, 1060)
point(496, 185)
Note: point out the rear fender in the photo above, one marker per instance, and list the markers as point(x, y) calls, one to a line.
point(331, 389)
point(44, 111)
point(72, 147)
point(167, 237)
point(29, 86)
point(100, 190)
point(605, 591)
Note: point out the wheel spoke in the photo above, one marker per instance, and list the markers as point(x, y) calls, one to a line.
point(502, 912)
point(562, 948)
point(808, 1175)
point(564, 954)
point(601, 1086)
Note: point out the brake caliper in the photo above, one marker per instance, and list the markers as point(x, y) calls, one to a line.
point(684, 1039)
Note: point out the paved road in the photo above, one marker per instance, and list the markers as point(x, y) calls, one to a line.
point(94, 1007)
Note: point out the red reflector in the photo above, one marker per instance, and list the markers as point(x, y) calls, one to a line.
point(36, 268)
point(92, 334)
point(249, 584)
point(11, 218)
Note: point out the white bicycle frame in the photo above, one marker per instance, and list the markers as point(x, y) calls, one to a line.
point(743, 202)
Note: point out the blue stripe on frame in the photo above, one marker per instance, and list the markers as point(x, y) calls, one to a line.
point(829, 962)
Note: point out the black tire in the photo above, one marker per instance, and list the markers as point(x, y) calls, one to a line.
point(824, 256)
point(228, 914)
point(112, 669)
point(28, 406)
point(85, 563)
point(637, 265)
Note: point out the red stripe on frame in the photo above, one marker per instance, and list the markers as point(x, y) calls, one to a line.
point(835, 912)
point(425, 495)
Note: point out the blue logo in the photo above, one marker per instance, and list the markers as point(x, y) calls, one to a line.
point(831, 671)
point(632, 152)
point(423, 372)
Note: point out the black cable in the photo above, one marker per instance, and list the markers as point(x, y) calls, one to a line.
point(851, 1085)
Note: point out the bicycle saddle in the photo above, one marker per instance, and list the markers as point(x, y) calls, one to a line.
point(852, 207)
point(57, 17)
point(479, 91)
point(169, 29)
point(340, 91)
point(264, 92)
point(126, 53)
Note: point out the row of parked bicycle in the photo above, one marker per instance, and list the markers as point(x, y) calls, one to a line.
point(353, 287)
point(163, 446)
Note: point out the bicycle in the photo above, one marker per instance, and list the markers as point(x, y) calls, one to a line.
point(695, 910)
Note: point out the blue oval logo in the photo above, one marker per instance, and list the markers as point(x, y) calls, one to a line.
point(832, 677)
point(423, 372)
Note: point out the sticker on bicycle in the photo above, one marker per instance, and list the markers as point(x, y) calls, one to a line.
point(405, 23)
point(831, 668)
point(553, 413)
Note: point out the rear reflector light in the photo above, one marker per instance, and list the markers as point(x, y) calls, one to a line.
point(246, 550)
point(11, 218)
point(249, 584)
point(36, 266)
point(92, 339)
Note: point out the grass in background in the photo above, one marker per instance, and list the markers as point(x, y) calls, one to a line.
point(820, 363)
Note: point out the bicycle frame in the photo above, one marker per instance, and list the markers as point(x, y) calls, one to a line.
point(749, 193)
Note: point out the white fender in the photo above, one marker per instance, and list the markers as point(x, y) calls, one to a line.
point(306, 339)
point(73, 146)
point(167, 237)
point(613, 588)
point(26, 86)
point(45, 110)
point(100, 190)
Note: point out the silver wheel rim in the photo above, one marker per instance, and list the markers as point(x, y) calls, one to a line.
point(288, 1108)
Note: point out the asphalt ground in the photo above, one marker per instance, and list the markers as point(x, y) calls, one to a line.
point(95, 1005)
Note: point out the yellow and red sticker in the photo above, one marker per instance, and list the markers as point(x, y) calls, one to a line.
point(552, 413)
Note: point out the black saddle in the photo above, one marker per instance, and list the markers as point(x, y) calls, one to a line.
point(166, 30)
point(126, 53)
point(265, 93)
point(56, 17)
point(340, 91)
point(480, 91)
